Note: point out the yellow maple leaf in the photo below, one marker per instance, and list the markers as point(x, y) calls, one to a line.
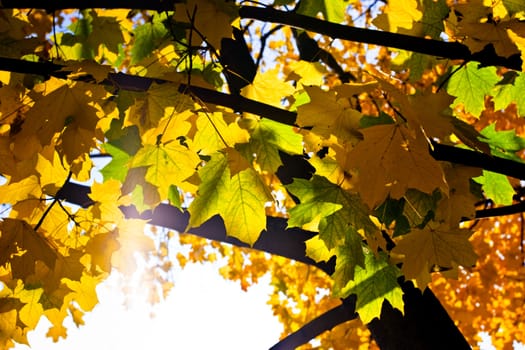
point(212, 18)
point(33, 309)
point(390, 160)
point(519, 41)
point(215, 133)
point(239, 199)
point(161, 100)
point(56, 317)
point(101, 248)
point(10, 330)
point(478, 35)
point(52, 173)
point(426, 248)
point(17, 191)
point(83, 291)
point(107, 197)
point(399, 14)
point(459, 203)
point(85, 68)
point(329, 115)
point(168, 164)
point(268, 87)
point(310, 73)
point(71, 110)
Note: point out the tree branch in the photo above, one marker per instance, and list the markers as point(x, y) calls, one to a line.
point(277, 239)
point(437, 48)
point(239, 103)
point(158, 5)
point(325, 322)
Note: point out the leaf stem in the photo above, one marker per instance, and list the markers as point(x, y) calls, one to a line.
point(48, 209)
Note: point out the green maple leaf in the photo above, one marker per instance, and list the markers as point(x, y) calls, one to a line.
point(433, 15)
point(341, 216)
point(470, 84)
point(506, 94)
point(496, 187)
point(168, 164)
point(239, 199)
point(117, 168)
point(514, 6)
point(332, 10)
point(349, 257)
point(373, 285)
point(503, 144)
point(267, 139)
point(88, 33)
point(148, 37)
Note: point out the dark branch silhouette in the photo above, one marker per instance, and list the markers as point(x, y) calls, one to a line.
point(437, 48)
point(325, 322)
point(157, 5)
point(239, 103)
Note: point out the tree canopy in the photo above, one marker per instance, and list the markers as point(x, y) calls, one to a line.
point(374, 149)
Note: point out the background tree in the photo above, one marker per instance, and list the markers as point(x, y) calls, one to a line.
point(370, 157)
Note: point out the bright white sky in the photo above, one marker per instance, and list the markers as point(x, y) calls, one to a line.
point(203, 311)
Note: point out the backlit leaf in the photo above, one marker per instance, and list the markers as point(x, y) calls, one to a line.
point(401, 162)
point(442, 246)
point(470, 84)
point(239, 199)
point(374, 284)
point(496, 187)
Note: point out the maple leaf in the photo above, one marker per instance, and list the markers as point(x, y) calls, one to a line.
point(168, 164)
point(215, 132)
point(401, 161)
point(56, 317)
point(31, 312)
point(87, 68)
point(496, 187)
point(341, 215)
point(10, 330)
point(107, 198)
point(267, 139)
point(238, 199)
point(332, 10)
point(161, 100)
point(101, 248)
point(317, 250)
point(423, 249)
point(373, 285)
point(434, 113)
point(71, 110)
point(268, 88)
point(479, 35)
point(148, 37)
point(21, 246)
point(470, 84)
point(14, 192)
point(503, 143)
point(212, 18)
point(329, 115)
point(88, 32)
point(349, 257)
point(506, 94)
point(399, 14)
point(519, 41)
point(310, 73)
point(52, 173)
point(83, 291)
point(460, 202)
